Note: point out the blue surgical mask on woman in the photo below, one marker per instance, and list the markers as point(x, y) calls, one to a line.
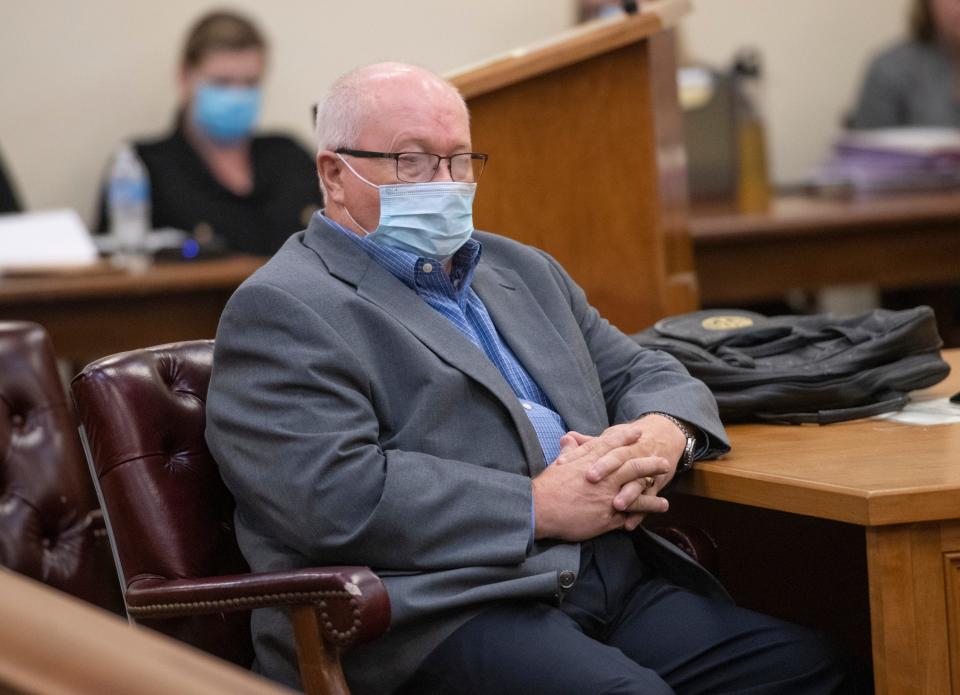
point(226, 113)
point(432, 220)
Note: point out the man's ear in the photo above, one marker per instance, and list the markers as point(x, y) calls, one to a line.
point(330, 170)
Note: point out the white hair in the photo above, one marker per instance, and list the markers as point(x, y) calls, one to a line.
point(341, 112)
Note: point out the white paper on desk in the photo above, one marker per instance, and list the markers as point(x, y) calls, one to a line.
point(927, 411)
point(55, 238)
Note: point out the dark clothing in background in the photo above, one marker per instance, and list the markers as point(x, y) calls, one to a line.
point(185, 194)
point(8, 196)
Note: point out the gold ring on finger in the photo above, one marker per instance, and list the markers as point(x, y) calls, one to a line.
point(648, 481)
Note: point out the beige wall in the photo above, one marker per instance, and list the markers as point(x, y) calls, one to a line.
point(79, 76)
point(815, 52)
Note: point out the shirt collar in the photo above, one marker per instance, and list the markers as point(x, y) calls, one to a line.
point(405, 265)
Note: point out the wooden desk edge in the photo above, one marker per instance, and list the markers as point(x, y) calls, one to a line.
point(54, 643)
point(160, 278)
point(797, 215)
point(567, 48)
point(823, 501)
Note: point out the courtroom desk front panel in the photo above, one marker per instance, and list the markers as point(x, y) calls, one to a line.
point(802, 569)
point(101, 312)
point(806, 242)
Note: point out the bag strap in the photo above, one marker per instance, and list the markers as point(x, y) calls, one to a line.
point(892, 401)
point(799, 337)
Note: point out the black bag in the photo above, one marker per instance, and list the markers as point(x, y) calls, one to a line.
point(800, 369)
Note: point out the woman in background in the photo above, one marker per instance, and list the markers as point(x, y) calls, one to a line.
point(212, 177)
point(916, 82)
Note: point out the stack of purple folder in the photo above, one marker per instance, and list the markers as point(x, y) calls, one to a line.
point(893, 159)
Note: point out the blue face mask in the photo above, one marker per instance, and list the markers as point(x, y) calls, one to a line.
point(226, 114)
point(428, 219)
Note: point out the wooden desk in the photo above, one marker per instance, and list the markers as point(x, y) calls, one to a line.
point(89, 315)
point(901, 484)
point(807, 242)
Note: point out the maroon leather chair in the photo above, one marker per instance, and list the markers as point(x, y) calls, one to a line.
point(51, 528)
point(171, 517)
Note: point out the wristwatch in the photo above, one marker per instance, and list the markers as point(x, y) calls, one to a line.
point(689, 449)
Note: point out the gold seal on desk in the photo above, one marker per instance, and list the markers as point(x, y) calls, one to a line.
point(726, 323)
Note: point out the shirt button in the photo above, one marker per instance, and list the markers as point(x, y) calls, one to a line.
point(527, 406)
point(567, 578)
point(428, 267)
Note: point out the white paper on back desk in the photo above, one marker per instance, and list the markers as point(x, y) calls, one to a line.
point(50, 239)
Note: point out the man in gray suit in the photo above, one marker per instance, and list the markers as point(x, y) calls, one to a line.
point(396, 390)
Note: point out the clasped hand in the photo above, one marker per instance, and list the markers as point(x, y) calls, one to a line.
point(611, 481)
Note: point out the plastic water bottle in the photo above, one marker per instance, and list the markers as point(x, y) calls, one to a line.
point(128, 197)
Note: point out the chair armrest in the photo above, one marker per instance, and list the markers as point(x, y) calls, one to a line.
point(351, 602)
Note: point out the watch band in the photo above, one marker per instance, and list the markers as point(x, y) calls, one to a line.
point(689, 449)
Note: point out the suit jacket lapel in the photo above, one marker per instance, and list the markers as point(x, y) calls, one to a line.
point(377, 285)
point(531, 335)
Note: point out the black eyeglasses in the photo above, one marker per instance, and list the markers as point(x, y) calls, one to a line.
point(421, 167)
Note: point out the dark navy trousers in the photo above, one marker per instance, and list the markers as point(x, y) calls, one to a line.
point(623, 629)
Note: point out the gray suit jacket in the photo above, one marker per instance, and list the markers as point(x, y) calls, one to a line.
point(355, 425)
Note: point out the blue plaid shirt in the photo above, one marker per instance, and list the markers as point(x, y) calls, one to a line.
point(452, 297)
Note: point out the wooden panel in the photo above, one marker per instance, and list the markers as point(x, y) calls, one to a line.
point(682, 288)
point(84, 330)
point(575, 170)
point(757, 269)
point(907, 596)
point(805, 570)
point(950, 545)
point(808, 242)
point(951, 569)
point(818, 216)
point(155, 279)
point(91, 315)
point(54, 643)
point(568, 48)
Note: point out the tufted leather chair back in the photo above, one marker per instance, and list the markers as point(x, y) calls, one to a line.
point(143, 414)
point(51, 528)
